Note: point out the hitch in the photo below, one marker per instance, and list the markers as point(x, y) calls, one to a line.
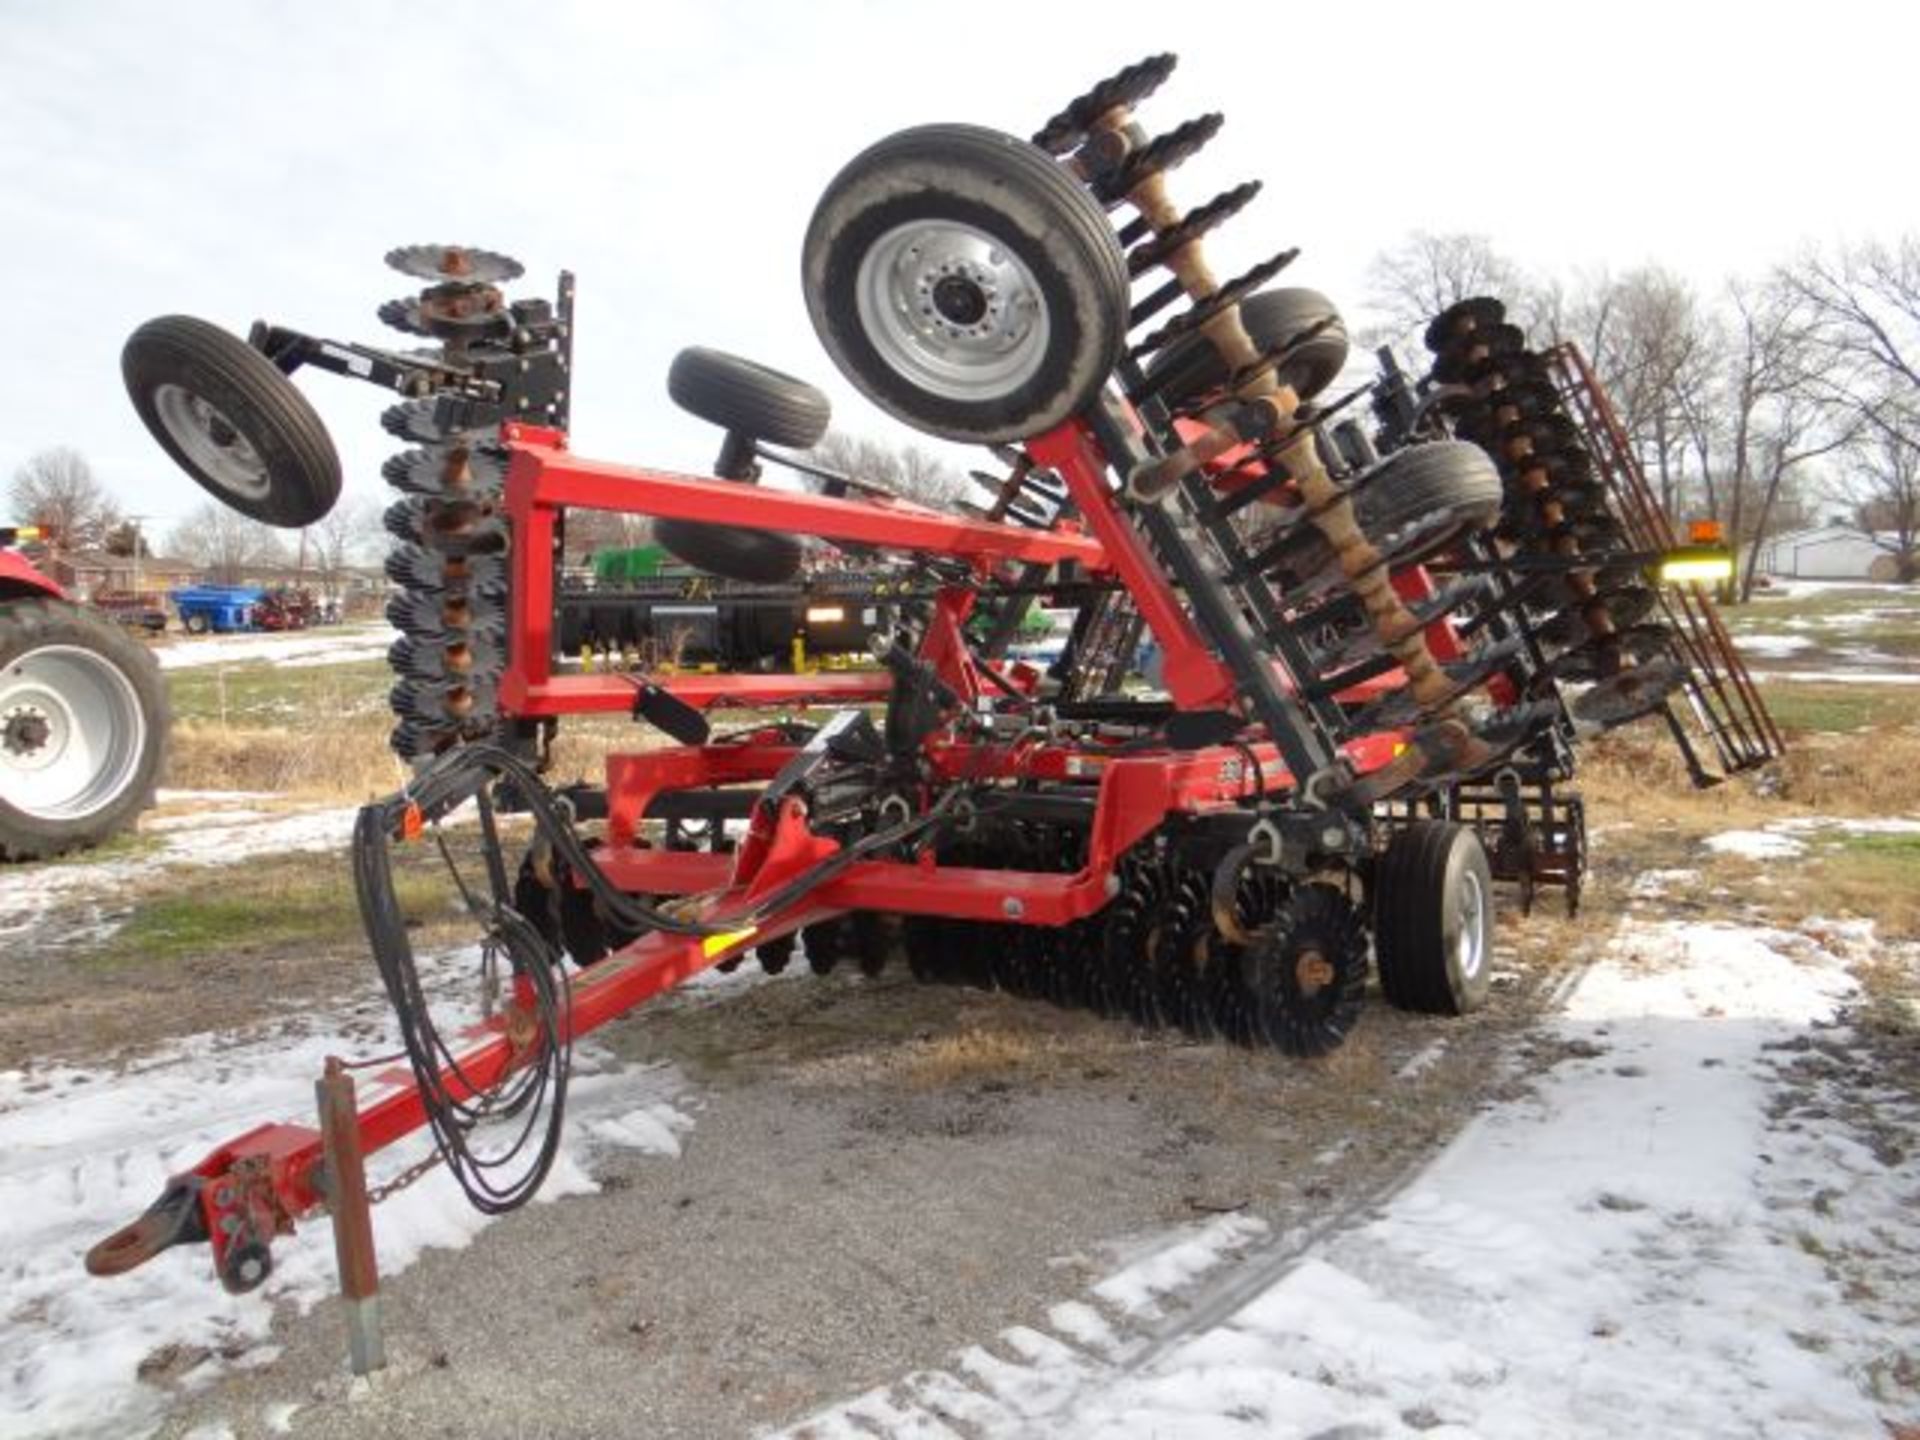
point(176, 1218)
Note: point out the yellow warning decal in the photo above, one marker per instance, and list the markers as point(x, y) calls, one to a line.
point(712, 945)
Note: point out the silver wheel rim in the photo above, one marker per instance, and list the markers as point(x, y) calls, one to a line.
point(72, 732)
point(212, 442)
point(950, 309)
point(1470, 945)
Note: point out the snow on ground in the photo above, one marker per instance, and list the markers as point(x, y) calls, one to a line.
point(82, 1153)
point(342, 645)
point(1756, 845)
point(86, 895)
point(1784, 839)
point(1843, 677)
point(1641, 1247)
point(1773, 647)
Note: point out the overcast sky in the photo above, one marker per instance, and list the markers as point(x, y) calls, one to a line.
point(237, 161)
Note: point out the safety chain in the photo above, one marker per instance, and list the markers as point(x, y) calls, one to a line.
point(377, 1193)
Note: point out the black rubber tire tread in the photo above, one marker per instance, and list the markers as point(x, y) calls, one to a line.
point(30, 624)
point(303, 468)
point(1413, 884)
point(1191, 366)
point(1450, 478)
point(745, 396)
point(758, 557)
point(1035, 209)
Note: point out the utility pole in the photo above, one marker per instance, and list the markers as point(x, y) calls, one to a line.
point(134, 521)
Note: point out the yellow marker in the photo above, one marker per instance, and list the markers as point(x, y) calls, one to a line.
point(712, 945)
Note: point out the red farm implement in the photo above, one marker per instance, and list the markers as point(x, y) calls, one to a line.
point(1380, 619)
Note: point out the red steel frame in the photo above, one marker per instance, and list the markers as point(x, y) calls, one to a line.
point(259, 1183)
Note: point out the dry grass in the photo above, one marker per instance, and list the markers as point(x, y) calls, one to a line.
point(343, 761)
point(1636, 775)
point(974, 1054)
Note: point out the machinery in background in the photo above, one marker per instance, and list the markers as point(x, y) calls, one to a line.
point(83, 716)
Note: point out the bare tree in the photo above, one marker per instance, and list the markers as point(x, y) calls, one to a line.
point(224, 543)
point(907, 470)
point(1865, 307)
point(352, 533)
point(1650, 340)
point(1425, 273)
point(1882, 493)
point(57, 489)
point(1775, 418)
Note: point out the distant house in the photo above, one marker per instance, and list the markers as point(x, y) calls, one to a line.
point(1828, 552)
point(86, 573)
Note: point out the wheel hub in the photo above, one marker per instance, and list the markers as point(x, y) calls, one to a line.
point(1312, 971)
point(25, 731)
point(211, 441)
point(72, 733)
point(951, 309)
point(961, 300)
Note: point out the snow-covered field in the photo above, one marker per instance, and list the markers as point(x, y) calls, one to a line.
point(335, 645)
point(1645, 1246)
point(82, 899)
point(1681, 1230)
point(82, 1153)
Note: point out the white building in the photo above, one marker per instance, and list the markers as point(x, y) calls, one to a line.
point(1828, 552)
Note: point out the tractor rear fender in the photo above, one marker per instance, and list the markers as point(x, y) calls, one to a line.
point(20, 581)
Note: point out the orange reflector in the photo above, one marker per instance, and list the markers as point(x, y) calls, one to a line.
point(412, 823)
point(1705, 532)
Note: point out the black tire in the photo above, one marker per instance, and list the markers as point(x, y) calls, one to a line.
point(40, 829)
point(748, 397)
point(1414, 504)
point(1040, 221)
point(1429, 887)
point(1191, 366)
point(758, 557)
point(293, 477)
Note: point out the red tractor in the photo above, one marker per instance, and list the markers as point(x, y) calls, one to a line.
point(83, 717)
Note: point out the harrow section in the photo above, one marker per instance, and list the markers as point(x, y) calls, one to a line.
point(1375, 645)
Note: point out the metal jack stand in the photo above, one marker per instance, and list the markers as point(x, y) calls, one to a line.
point(346, 1192)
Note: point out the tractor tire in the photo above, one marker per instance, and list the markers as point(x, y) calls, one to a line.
point(1433, 919)
point(966, 284)
point(232, 420)
point(1191, 366)
point(83, 729)
point(748, 398)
